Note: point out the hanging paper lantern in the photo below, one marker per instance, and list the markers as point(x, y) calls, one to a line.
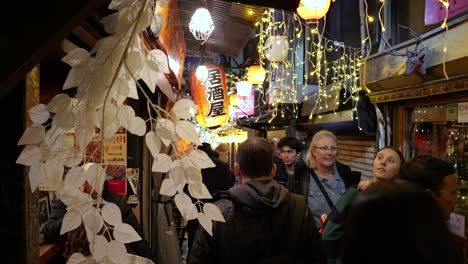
point(244, 88)
point(256, 74)
point(201, 73)
point(234, 100)
point(211, 97)
point(277, 48)
point(313, 9)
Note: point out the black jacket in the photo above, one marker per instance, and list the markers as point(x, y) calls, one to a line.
point(299, 183)
point(256, 217)
point(51, 228)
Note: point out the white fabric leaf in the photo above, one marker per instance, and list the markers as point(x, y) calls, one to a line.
point(153, 142)
point(193, 175)
point(177, 176)
point(110, 22)
point(71, 157)
point(111, 125)
point(117, 252)
point(99, 248)
point(185, 109)
point(84, 130)
point(125, 115)
point(187, 131)
point(193, 213)
point(64, 119)
point(95, 175)
point(37, 174)
point(54, 171)
point(119, 4)
point(199, 191)
point(32, 135)
point(75, 178)
point(213, 212)
point(111, 214)
point(120, 90)
point(71, 220)
point(60, 102)
point(132, 90)
point(200, 159)
point(54, 138)
point(125, 233)
point(76, 258)
point(205, 222)
point(160, 58)
point(145, 19)
point(39, 114)
point(167, 188)
point(134, 61)
point(183, 203)
point(76, 56)
point(149, 75)
point(137, 126)
point(84, 135)
point(162, 163)
point(157, 22)
point(166, 130)
point(93, 220)
point(75, 77)
point(176, 163)
point(30, 155)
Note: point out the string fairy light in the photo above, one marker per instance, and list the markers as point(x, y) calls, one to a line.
point(444, 45)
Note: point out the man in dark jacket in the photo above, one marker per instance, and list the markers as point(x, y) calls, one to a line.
point(265, 223)
point(289, 148)
point(51, 228)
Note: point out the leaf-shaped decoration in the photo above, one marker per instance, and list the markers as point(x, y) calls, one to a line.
point(77, 258)
point(185, 109)
point(39, 114)
point(71, 156)
point(93, 220)
point(95, 175)
point(99, 248)
point(76, 56)
point(183, 203)
point(119, 4)
point(120, 90)
point(157, 23)
point(162, 3)
point(177, 176)
point(205, 222)
point(187, 131)
point(149, 75)
point(137, 126)
point(167, 188)
point(71, 220)
point(75, 178)
point(64, 119)
point(126, 115)
point(193, 175)
point(75, 77)
point(213, 212)
point(200, 159)
point(153, 142)
point(54, 138)
point(199, 191)
point(37, 173)
point(125, 233)
point(111, 125)
point(161, 59)
point(110, 22)
point(145, 19)
point(117, 252)
point(134, 61)
point(166, 130)
point(162, 163)
point(132, 90)
point(32, 135)
point(54, 171)
point(111, 214)
point(30, 155)
point(83, 136)
point(60, 102)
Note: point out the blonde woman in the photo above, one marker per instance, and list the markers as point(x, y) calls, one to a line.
point(321, 179)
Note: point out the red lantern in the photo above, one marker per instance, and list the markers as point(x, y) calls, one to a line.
point(211, 97)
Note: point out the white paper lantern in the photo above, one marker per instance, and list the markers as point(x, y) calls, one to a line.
point(201, 25)
point(244, 88)
point(276, 48)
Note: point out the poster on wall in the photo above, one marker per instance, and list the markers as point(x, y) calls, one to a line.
point(133, 178)
point(463, 112)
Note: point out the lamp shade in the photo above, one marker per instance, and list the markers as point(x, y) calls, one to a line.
point(276, 48)
point(313, 9)
point(244, 88)
point(256, 74)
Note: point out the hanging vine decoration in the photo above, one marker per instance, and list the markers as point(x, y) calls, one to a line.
point(104, 79)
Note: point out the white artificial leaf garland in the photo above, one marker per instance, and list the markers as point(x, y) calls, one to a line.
point(32, 135)
point(200, 159)
point(37, 174)
point(30, 155)
point(177, 175)
point(39, 114)
point(185, 109)
point(137, 126)
point(75, 178)
point(187, 131)
point(99, 247)
point(160, 58)
point(117, 252)
point(162, 163)
point(199, 191)
point(166, 131)
point(213, 212)
point(126, 115)
point(205, 222)
point(60, 102)
point(76, 56)
point(95, 175)
point(76, 258)
point(125, 233)
point(153, 142)
point(111, 214)
point(92, 220)
point(64, 119)
point(193, 175)
point(71, 220)
point(183, 203)
point(157, 23)
point(168, 188)
point(54, 138)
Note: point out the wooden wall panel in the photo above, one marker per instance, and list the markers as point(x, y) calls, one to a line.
point(358, 153)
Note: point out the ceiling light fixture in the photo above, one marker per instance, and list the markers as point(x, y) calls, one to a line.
point(313, 10)
point(201, 25)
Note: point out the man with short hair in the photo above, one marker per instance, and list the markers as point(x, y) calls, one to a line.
point(289, 148)
point(265, 223)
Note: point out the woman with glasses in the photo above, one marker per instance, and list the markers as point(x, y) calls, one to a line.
point(386, 165)
point(321, 179)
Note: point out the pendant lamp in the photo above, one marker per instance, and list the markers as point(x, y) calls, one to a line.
point(313, 10)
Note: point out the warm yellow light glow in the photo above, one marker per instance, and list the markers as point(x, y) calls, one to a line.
point(234, 100)
point(256, 74)
point(238, 137)
point(201, 73)
point(201, 25)
point(244, 88)
point(313, 9)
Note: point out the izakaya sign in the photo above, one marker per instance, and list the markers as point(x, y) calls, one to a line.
point(211, 97)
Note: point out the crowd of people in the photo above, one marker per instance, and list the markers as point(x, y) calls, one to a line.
point(285, 204)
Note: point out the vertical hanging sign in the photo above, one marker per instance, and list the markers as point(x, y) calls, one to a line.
point(211, 97)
